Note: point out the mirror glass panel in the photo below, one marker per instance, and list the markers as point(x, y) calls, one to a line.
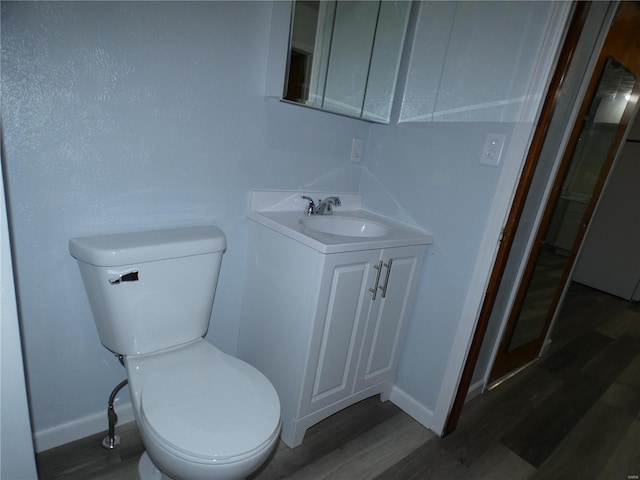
point(593, 147)
point(344, 56)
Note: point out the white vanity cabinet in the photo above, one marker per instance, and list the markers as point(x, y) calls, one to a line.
point(311, 324)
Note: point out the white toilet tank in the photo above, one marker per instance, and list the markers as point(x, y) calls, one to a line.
point(150, 290)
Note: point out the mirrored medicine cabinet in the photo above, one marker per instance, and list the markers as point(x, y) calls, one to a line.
point(344, 56)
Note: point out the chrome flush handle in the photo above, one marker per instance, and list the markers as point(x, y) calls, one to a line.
point(131, 276)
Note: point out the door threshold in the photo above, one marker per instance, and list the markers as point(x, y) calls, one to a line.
point(511, 374)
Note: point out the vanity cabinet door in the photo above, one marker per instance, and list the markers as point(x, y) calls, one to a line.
point(387, 315)
point(343, 306)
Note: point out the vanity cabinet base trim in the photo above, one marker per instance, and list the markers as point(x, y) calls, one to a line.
point(293, 430)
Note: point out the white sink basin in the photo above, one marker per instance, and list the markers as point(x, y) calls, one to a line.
point(345, 226)
point(349, 229)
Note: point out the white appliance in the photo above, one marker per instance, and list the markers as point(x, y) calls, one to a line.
point(610, 256)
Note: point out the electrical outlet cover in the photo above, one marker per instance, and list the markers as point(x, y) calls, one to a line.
point(492, 150)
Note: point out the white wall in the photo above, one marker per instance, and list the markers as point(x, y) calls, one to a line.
point(17, 461)
point(120, 116)
point(486, 73)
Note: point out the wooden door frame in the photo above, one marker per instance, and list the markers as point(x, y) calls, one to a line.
point(616, 40)
point(527, 352)
point(564, 60)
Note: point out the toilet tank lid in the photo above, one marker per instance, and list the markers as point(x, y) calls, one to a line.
point(137, 247)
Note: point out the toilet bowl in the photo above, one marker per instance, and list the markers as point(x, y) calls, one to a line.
point(202, 414)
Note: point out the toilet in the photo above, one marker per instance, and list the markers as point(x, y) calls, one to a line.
point(202, 414)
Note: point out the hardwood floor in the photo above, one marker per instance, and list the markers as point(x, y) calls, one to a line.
point(574, 414)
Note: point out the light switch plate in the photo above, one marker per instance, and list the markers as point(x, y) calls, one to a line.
point(492, 150)
point(356, 150)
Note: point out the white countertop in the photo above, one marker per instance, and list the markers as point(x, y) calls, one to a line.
point(283, 211)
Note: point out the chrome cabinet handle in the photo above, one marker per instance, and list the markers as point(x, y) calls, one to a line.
point(386, 278)
point(131, 276)
point(374, 290)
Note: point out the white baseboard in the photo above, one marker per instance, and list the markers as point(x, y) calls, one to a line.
point(474, 390)
point(97, 422)
point(411, 406)
point(80, 428)
point(545, 346)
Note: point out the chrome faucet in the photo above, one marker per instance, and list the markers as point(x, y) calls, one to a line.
point(311, 208)
point(324, 207)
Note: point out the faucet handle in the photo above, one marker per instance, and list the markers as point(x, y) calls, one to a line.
point(334, 200)
point(311, 208)
point(325, 207)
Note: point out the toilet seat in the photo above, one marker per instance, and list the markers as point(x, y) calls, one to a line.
point(203, 405)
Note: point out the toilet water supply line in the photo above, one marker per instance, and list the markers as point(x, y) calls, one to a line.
point(112, 440)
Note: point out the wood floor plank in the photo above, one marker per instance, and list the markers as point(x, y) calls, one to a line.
point(631, 374)
point(625, 460)
point(540, 433)
point(628, 323)
point(584, 309)
point(498, 462)
point(87, 458)
point(428, 462)
point(118, 472)
point(489, 416)
point(326, 436)
point(370, 454)
point(624, 393)
point(578, 455)
point(624, 397)
point(607, 366)
point(571, 357)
